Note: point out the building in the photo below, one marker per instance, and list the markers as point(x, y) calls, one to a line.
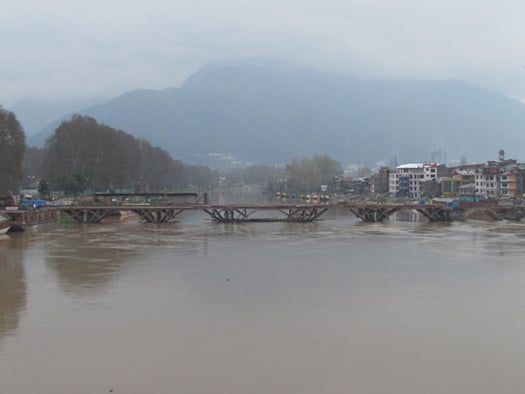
point(452, 186)
point(501, 179)
point(407, 179)
point(380, 181)
point(354, 186)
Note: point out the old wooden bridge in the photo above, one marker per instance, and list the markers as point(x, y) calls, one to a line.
point(237, 213)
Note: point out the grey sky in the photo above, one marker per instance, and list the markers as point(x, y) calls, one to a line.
point(70, 49)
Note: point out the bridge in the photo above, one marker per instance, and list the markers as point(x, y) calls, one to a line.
point(238, 213)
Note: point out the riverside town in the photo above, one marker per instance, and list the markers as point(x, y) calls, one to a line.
point(491, 190)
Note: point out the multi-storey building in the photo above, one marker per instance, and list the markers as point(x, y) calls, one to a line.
point(380, 181)
point(500, 179)
point(406, 179)
point(495, 179)
point(452, 186)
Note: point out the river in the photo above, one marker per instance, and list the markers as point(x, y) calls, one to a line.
point(335, 306)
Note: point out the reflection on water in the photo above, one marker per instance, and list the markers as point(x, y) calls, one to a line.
point(335, 306)
point(86, 259)
point(12, 286)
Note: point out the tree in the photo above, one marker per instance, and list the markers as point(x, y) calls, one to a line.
point(364, 171)
point(307, 174)
point(304, 176)
point(82, 149)
point(12, 147)
point(256, 174)
point(327, 167)
point(33, 160)
point(73, 184)
point(44, 188)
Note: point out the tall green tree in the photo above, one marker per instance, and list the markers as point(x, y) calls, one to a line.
point(326, 166)
point(255, 174)
point(33, 160)
point(307, 174)
point(85, 154)
point(82, 147)
point(12, 147)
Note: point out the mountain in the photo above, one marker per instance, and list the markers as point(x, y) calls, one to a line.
point(272, 113)
point(32, 114)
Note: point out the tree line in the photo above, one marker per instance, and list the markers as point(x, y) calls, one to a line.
point(83, 154)
point(12, 149)
point(300, 175)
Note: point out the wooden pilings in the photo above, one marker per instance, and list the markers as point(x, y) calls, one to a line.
point(86, 215)
point(495, 213)
point(373, 213)
point(302, 214)
point(229, 215)
point(161, 215)
point(96, 215)
point(435, 213)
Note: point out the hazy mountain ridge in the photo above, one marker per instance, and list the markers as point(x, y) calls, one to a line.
point(35, 113)
point(273, 113)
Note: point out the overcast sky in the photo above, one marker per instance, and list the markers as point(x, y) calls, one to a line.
point(76, 50)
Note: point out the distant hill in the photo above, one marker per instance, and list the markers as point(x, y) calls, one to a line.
point(32, 114)
point(273, 113)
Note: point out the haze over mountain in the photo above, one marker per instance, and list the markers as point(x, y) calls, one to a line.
point(35, 113)
point(270, 112)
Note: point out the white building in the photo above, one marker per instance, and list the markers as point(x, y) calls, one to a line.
point(406, 179)
point(499, 179)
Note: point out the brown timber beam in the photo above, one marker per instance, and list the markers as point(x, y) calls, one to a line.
point(87, 215)
point(161, 215)
point(371, 214)
point(435, 214)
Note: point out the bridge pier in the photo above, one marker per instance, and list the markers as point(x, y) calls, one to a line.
point(435, 213)
point(373, 214)
point(237, 215)
point(495, 213)
point(232, 215)
point(161, 215)
point(86, 215)
point(303, 214)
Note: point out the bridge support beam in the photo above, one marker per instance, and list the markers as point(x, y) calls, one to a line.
point(434, 213)
point(495, 213)
point(224, 215)
point(239, 215)
point(161, 215)
point(86, 215)
point(303, 214)
point(372, 214)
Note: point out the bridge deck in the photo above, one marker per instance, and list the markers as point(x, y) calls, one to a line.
point(234, 213)
point(262, 207)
